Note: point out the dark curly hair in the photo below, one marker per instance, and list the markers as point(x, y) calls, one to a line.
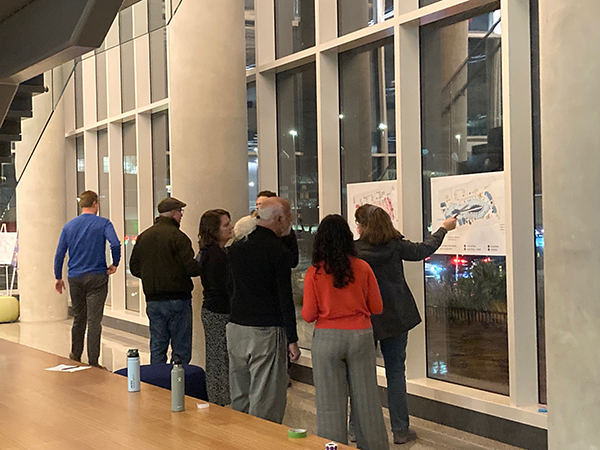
point(210, 224)
point(333, 246)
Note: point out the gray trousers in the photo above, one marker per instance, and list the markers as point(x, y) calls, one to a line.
point(88, 294)
point(258, 370)
point(344, 363)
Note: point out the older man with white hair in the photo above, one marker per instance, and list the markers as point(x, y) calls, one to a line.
point(262, 326)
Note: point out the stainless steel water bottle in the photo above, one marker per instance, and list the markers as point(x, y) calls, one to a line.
point(133, 370)
point(177, 386)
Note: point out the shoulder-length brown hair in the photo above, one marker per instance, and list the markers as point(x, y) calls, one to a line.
point(210, 224)
point(377, 225)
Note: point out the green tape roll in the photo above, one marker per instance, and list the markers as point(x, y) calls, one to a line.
point(296, 433)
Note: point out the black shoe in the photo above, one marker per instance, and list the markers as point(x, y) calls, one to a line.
point(74, 358)
point(403, 438)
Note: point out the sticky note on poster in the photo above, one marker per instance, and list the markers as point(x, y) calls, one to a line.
point(379, 193)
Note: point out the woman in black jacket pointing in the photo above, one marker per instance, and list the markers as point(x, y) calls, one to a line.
point(384, 248)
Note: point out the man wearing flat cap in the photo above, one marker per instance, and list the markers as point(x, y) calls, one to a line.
point(163, 258)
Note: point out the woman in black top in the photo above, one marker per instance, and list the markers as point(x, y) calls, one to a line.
point(384, 248)
point(215, 231)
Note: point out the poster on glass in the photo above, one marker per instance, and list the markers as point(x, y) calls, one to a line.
point(379, 193)
point(478, 203)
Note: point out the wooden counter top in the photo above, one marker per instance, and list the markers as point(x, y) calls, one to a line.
point(92, 409)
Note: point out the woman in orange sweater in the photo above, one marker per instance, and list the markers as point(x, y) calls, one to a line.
point(341, 293)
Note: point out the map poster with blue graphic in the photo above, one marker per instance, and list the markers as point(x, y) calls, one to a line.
point(478, 203)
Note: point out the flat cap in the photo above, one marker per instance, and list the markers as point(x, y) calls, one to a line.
point(170, 204)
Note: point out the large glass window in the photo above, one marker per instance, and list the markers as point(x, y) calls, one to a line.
point(427, 2)
point(8, 195)
point(294, 26)
point(252, 146)
point(157, 19)
point(465, 281)
point(250, 27)
point(103, 187)
point(356, 14)
point(103, 174)
point(161, 157)
point(78, 93)
point(537, 183)
point(80, 161)
point(298, 170)
point(130, 188)
point(367, 115)
point(101, 86)
point(127, 60)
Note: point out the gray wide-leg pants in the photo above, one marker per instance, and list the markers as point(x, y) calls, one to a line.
point(344, 363)
point(258, 370)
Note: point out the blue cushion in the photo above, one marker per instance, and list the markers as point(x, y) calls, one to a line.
point(160, 375)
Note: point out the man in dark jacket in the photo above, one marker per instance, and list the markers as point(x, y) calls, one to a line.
point(163, 258)
point(289, 240)
point(262, 327)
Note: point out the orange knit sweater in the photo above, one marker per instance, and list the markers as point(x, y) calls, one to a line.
point(349, 308)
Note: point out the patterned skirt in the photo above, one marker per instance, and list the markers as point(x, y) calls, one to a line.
point(217, 358)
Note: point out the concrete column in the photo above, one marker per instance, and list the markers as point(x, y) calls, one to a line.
point(41, 211)
point(209, 157)
point(570, 70)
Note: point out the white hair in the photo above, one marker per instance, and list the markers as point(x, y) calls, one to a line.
point(270, 211)
point(244, 227)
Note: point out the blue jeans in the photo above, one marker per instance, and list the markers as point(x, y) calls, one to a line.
point(170, 321)
point(393, 350)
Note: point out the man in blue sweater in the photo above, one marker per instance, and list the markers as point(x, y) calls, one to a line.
point(85, 238)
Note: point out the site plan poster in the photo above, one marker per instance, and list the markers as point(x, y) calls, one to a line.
point(479, 202)
point(379, 193)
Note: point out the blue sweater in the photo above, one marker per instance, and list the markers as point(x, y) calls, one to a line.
point(85, 238)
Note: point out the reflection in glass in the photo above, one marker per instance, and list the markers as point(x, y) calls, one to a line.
point(367, 115)
point(298, 171)
point(130, 170)
point(161, 157)
point(537, 200)
point(294, 26)
point(80, 161)
point(252, 146)
point(250, 27)
point(103, 187)
point(356, 14)
point(466, 314)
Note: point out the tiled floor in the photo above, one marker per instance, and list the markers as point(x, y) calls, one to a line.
point(55, 337)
